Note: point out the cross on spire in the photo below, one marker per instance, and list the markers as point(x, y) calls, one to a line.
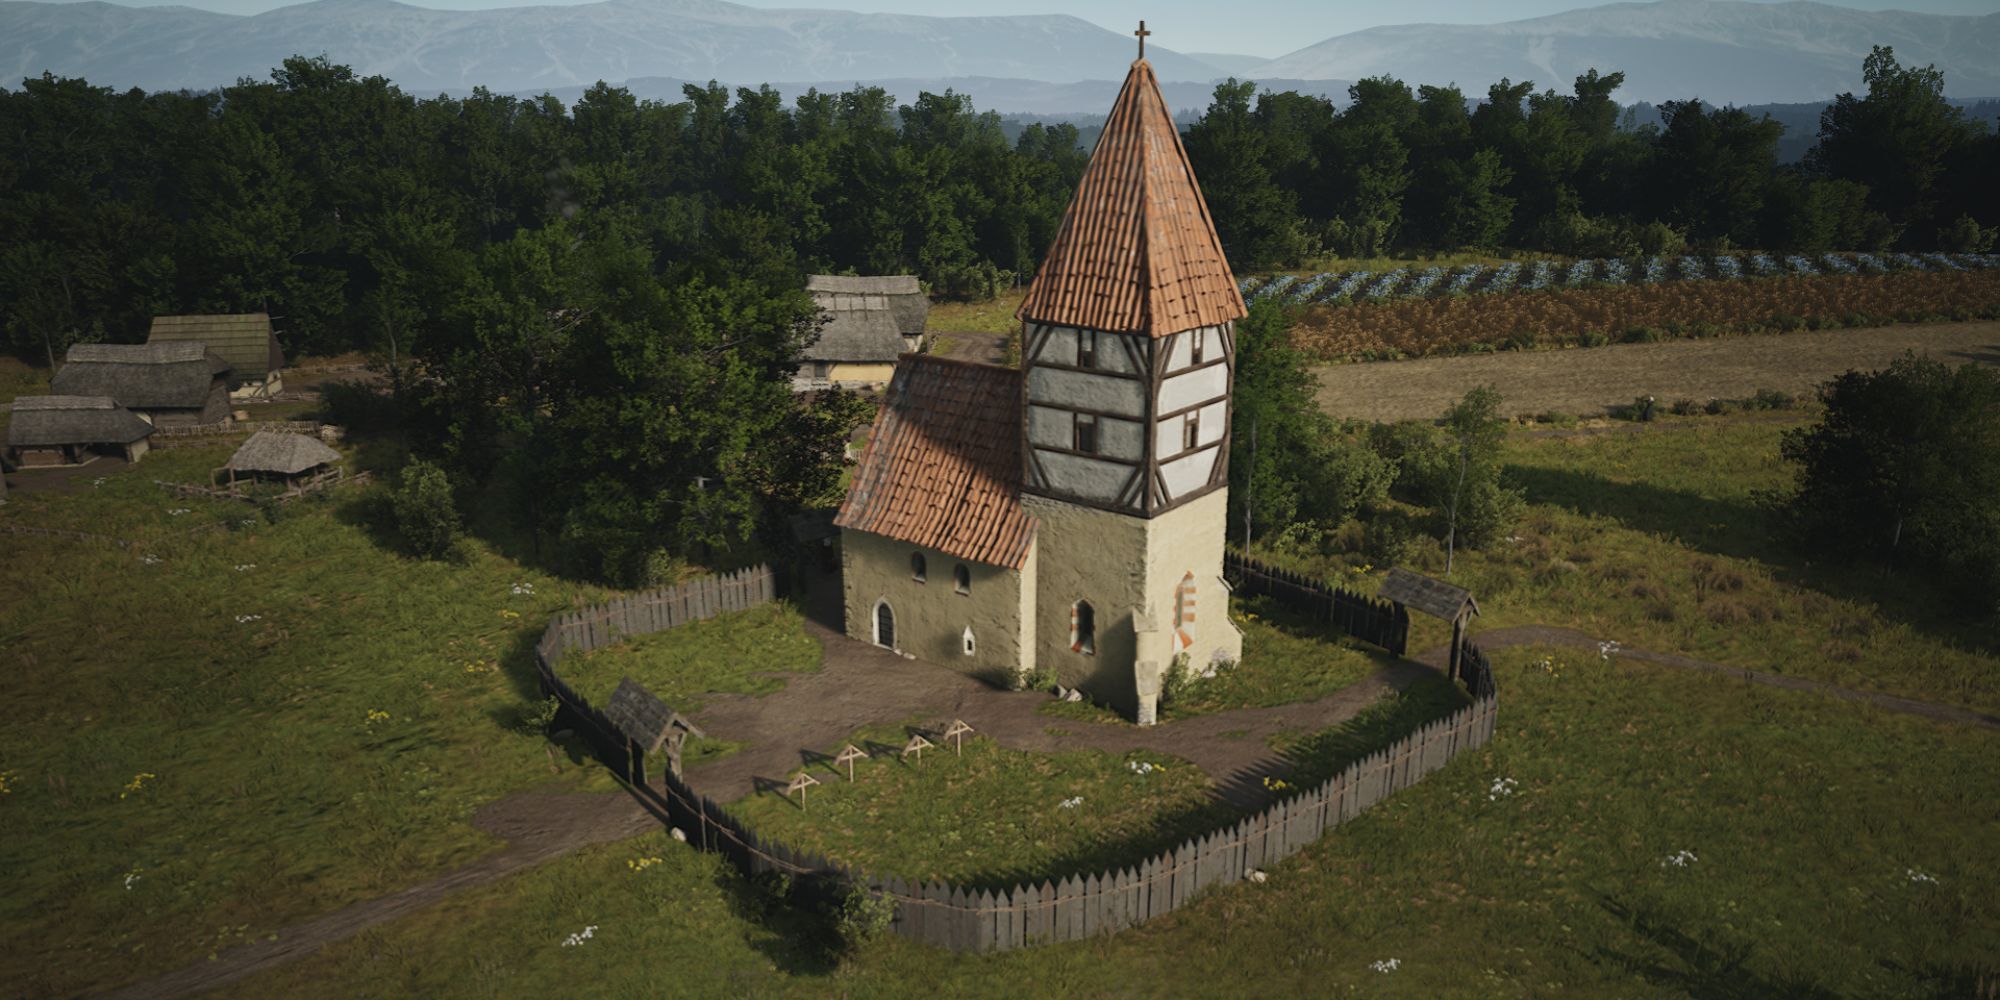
point(1142, 33)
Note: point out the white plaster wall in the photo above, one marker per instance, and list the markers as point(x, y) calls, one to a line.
point(1123, 396)
point(931, 617)
point(1167, 433)
point(1111, 355)
point(1188, 539)
point(1084, 477)
point(1189, 472)
point(1194, 387)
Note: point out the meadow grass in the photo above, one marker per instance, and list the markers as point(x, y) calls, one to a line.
point(1631, 831)
point(995, 315)
point(244, 723)
point(1658, 539)
point(748, 652)
point(989, 816)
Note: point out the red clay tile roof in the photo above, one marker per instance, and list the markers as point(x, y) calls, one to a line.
point(1137, 252)
point(943, 467)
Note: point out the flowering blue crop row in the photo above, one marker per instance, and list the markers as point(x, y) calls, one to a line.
point(1403, 283)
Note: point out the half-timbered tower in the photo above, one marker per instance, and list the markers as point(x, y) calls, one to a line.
point(1078, 504)
point(1127, 353)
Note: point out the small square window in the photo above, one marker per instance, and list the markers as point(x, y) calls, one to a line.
point(1086, 348)
point(1086, 434)
point(1191, 431)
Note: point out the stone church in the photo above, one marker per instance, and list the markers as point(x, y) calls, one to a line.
point(1069, 514)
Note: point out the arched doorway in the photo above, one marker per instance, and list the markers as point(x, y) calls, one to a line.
point(885, 625)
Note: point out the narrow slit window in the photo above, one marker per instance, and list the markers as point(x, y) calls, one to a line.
point(1191, 431)
point(1086, 348)
point(917, 566)
point(1083, 628)
point(1086, 434)
point(961, 579)
point(970, 648)
point(1194, 348)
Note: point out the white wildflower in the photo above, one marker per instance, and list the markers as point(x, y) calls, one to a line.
point(579, 937)
point(1502, 787)
point(1607, 649)
point(1257, 875)
point(177, 511)
point(1917, 876)
point(245, 567)
point(247, 619)
point(131, 877)
point(1072, 803)
point(1139, 766)
point(1387, 965)
point(95, 483)
point(150, 559)
point(248, 522)
point(524, 588)
point(1678, 859)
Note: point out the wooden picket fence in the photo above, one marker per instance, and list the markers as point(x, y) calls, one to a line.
point(1371, 620)
point(1028, 914)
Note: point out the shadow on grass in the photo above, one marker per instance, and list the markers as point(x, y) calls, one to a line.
point(1708, 968)
point(1743, 530)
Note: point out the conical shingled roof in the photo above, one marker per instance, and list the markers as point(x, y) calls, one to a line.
point(1137, 252)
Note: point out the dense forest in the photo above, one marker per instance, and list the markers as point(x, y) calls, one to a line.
point(590, 311)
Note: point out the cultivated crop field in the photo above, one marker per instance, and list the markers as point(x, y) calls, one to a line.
point(1593, 316)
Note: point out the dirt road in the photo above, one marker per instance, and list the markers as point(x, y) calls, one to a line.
point(1585, 381)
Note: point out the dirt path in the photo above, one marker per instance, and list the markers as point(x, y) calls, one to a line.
point(860, 685)
point(1588, 380)
point(538, 826)
point(1554, 635)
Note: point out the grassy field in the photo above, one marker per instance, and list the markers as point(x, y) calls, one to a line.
point(995, 315)
point(1655, 538)
point(1631, 832)
point(748, 652)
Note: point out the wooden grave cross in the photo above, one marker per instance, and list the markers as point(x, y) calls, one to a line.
point(848, 755)
point(956, 734)
point(800, 782)
point(917, 745)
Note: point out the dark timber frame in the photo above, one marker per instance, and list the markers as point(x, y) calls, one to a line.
point(1144, 493)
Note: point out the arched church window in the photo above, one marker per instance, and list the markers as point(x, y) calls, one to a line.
point(917, 566)
point(961, 579)
point(885, 625)
point(1083, 628)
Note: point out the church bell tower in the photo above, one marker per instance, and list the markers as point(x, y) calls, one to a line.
point(1128, 349)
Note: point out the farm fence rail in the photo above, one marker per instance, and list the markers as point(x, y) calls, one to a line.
point(1033, 913)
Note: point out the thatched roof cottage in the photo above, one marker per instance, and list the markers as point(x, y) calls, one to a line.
point(168, 384)
point(73, 430)
point(245, 340)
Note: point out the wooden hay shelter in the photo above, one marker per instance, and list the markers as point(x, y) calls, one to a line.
point(299, 461)
point(72, 430)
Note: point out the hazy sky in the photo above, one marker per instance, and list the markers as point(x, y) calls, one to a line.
point(1267, 28)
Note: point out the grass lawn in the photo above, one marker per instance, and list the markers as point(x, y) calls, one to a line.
point(991, 817)
point(746, 652)
point(243, 724)
point(1631, 831)
point(1655, 538)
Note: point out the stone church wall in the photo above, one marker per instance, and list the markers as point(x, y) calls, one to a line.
point(931, 616)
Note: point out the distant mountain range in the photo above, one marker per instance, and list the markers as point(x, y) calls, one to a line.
point(1719, 50)
point(1722, 52)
